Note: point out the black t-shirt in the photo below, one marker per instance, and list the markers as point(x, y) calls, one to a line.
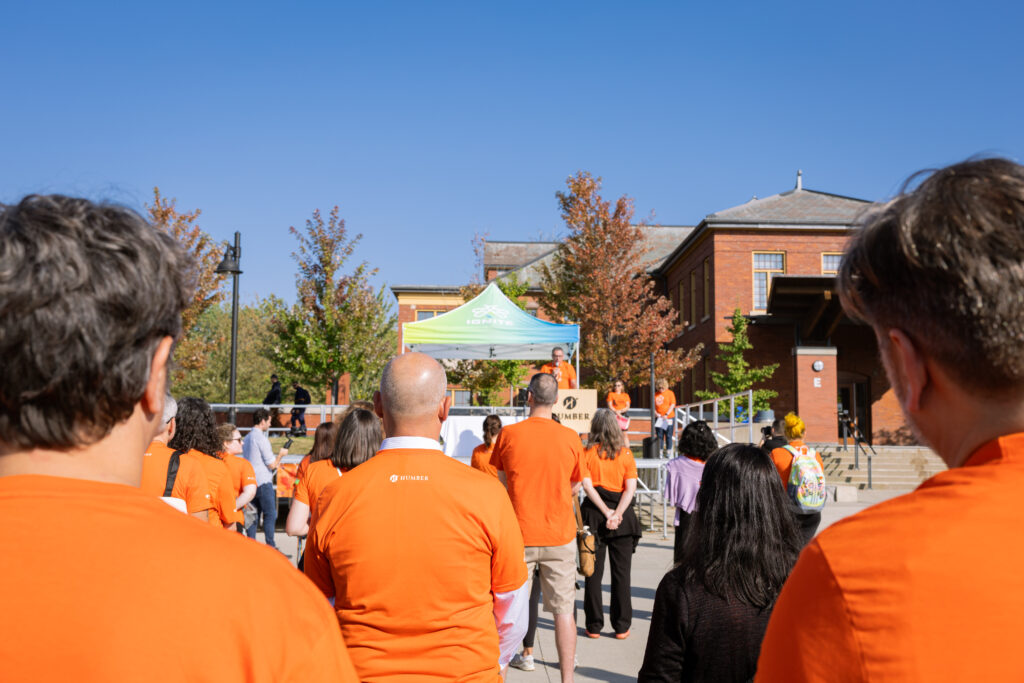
point(302, 396)
point(773, 443)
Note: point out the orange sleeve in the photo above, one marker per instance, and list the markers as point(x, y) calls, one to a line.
point(570, 371)
point(580, 471)
point(226, 496)
point(499, 447)
point(811, 619)
point(508, 569)
point(314, 562)
point(248, 473)
point(628, 464)
point(190, 485)
point(301, 492)
point(783, 460)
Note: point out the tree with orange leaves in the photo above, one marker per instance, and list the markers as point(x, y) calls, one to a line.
point(191, 351)
point(598, 280)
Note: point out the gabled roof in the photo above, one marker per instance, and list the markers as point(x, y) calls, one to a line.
point(658, 242)
point(796, 207)
point(506, 255)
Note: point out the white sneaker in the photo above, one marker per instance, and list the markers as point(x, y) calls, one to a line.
point(522, 662)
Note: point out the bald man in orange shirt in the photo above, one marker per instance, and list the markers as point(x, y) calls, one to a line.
point(929, 586)
point(422, 555)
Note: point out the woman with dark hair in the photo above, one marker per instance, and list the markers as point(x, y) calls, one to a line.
point(357, 440)
point(682, 477)
point(196, 436)
point(481, 459)
point(608, 511)
point(711, 611)
point(323, 445)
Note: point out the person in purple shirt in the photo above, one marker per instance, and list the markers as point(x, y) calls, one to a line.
point(683, 475)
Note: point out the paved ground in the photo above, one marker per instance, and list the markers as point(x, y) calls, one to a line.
point(606, 659)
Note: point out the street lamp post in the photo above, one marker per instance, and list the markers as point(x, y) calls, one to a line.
point(229, 265)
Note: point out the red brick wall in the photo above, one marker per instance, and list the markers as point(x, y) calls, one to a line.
point(731, 257)
point(816, 394)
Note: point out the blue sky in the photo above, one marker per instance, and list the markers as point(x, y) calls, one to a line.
point(430, 122)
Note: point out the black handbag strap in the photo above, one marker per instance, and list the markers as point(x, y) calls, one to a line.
point(172, 472)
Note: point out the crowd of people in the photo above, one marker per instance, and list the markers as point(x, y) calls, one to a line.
point(420, 568)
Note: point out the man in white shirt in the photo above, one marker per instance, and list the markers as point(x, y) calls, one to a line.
point(256, 449)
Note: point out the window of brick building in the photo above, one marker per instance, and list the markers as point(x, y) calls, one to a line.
point(426, 315)
point(693, 298)
point(461, 398)
point(766, 266)
point(707, 288)
point(830, 262)
point(680, 305)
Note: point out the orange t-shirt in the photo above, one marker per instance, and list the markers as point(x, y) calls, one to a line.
point(564, 373)
point(541, 459)
point(664, 403)
point(318, 476)
point(413, 544)
point(300, 475)
point(611, 475)
point(189, 484)
point(618, 401)
point(110, 573)
point(481, 459)
point(924, 587)
point(240, 475)
point(783, 460)
point(219, 479)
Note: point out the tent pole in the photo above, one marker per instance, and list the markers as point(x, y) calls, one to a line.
point(577, 364)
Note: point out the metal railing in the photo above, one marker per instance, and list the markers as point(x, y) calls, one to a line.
point(740, 405)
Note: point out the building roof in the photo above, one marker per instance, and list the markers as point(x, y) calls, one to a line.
point(506, 255)
point(658, 242)
point(796, 207)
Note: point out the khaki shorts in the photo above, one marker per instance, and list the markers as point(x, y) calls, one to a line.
point(557, 575)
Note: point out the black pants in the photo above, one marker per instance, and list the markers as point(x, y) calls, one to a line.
point(680, 540)
point(807, 525)
point(620, 555)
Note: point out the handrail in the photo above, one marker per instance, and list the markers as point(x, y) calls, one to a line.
point(686, 413)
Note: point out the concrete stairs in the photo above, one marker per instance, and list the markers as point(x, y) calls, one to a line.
point(894, 467)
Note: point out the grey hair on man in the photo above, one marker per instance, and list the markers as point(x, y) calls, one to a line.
point(544, 388)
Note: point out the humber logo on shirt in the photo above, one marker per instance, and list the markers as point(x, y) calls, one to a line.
point(408, 477)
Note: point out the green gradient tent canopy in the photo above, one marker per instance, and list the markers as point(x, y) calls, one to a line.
point(489, 327)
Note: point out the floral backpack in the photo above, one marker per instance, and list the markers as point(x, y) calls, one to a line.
point(806, 485)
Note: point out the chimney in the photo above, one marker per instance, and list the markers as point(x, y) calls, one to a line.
point(799, 180)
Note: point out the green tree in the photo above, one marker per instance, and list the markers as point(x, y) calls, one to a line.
point(255, 336)
point(487, 380)
point(738, 375)
point(598, 279)
point(339, 324)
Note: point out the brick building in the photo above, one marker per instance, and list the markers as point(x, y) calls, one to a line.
point(775, 260)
